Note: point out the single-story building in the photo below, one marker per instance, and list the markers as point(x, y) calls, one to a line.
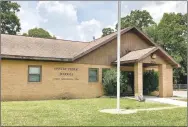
point(37, 68)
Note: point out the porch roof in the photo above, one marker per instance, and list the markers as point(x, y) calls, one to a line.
point(138, 55)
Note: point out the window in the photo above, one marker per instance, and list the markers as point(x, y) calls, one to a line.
point(34, 74)
point(93, 75)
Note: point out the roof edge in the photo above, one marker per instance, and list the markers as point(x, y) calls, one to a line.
point(35, 58)
point(147, 54)
point(74, 41)
point(176, 65)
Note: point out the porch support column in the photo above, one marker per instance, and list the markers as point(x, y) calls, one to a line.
point(138, 79)
point(165, 81)
point(162, 76)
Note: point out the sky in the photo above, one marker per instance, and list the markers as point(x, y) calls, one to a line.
point(81, 20)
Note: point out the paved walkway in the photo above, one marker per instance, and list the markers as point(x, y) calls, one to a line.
point(130, 111)
point(171, 101)
point(163, 100)
point(166, 101)
point(180, 94)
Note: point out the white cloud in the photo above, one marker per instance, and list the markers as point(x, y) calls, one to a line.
point(28, 17)
point(157, 9)
point(113, 26)
point(88, 29)
point(63, 21)
point(55, 7)
point(59, 19)
point(124, 9)
point(82, 20)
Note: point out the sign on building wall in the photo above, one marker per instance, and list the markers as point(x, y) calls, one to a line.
point(65, 73)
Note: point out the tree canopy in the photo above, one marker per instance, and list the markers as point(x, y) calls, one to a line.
point(170, 34)
point(10, 23)
point(107, 31)
point(38, 32)
point(137, 18)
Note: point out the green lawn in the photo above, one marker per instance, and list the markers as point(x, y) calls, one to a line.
point(86, 112)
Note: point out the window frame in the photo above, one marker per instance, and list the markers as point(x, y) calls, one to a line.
point(40, 79)
point(97, 69)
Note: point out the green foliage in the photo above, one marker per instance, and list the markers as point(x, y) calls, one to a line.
point(10, 23)
point(39, 32)
point(137, 18)
point(171, 35)
point(107, 31)
point(150, 81)
point(152, 32)
point(110, 82)
point(25, 34)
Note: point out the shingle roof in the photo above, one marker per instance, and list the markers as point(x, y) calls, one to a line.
point(39, 47)
point(21, 47)
point(14, 45)
point(137, 54)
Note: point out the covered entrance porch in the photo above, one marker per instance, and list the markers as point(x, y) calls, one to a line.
point(150, 59)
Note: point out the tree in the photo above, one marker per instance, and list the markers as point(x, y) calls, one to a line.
point(171, 31)
point(152, 32)
point(25, 34)
point(137, 18)
point(10, 23)
point(107, 31)
point(171, 34)
point(39, 32)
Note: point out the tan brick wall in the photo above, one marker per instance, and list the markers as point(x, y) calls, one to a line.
point(138, 79)
point(165, 80)
point(169, 80)
point(15, 85)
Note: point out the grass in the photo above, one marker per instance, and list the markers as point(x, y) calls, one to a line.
point(85, 112)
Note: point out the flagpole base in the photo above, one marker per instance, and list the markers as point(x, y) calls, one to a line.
point(118, 111)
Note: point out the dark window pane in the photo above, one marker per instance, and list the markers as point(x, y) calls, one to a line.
point(34, 78)
point(92, 79)
point(92, 72)
point(93, 75)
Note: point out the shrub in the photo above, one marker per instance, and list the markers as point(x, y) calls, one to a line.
point(150, 82)
point(110, 82)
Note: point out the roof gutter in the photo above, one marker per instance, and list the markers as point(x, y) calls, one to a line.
point(3, 56)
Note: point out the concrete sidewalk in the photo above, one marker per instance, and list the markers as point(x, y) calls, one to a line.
point(180, 94)
point(166, 101)
point(163, 100)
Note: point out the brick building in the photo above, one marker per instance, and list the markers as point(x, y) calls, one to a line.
point(38, 68)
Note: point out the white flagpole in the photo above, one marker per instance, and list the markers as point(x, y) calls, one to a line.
point(118, 55)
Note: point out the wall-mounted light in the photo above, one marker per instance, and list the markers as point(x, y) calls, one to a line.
point(153, 56)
